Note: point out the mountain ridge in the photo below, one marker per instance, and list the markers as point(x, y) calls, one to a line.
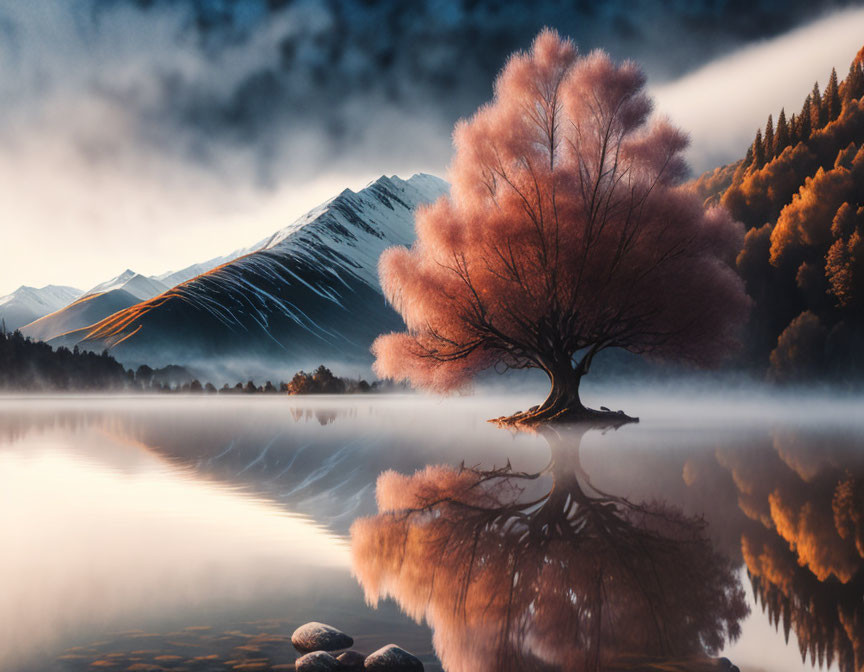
point(27, 303)
point(106, 298)
point(307, 293)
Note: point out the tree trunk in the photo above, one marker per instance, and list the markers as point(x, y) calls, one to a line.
point(563, 399)
point(563, 403)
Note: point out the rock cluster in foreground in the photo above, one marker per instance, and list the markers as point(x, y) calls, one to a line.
point(319, 641)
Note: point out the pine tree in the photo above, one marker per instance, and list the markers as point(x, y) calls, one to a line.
point(768, 140)
point(832, 98)
point(794, 130)
point(758, 150)
point(748, 158)
point(781, 141)
point(804, 120)
point(853, 86)
point(817, 115)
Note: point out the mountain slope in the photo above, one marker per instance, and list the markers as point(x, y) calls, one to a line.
point(136, 284)
point(309, 294)
point(103, 300)
point(26, 304)
point(172, 278)
point(87, 310)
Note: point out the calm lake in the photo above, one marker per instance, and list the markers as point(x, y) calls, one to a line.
point(146, 533)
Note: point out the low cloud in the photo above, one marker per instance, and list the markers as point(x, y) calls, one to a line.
point(155, 135)
point(723, 103)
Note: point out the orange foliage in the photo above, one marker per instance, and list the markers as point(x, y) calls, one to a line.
point(844, 264)
point(800, 351)
point(806, 221)
point(809, 266)
point(806, 557)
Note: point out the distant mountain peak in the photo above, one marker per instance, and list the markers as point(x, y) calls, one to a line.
point(307, 294)
point(28, 303)
point(138, 285)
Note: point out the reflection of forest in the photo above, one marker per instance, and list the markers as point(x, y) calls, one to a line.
point(788, 505)
point(542, 571)
point(803, 542)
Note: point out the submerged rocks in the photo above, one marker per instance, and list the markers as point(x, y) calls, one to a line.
point(317, 661)
point(351, 661)
point(316, 636)
point(319, 638)
point(391, 658)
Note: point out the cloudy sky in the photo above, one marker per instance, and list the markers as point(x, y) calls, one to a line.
point(153, 134)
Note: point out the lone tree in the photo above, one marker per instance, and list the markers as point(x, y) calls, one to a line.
point(565, 233)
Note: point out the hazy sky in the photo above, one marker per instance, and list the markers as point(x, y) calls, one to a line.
point(155, 135)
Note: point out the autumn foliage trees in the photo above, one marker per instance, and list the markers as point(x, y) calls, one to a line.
point(565, 234)
point(803, 255)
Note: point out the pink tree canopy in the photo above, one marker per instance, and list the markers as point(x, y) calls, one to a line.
point(565, 233)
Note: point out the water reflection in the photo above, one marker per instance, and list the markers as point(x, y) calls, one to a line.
point(98, 532)
point(803, 540)
point(103, 532)
point(543, 570)
point(158, 514)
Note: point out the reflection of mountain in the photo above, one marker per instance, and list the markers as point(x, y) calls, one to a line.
point(804, 544)
point(317, 457)
point(515, 573)
point(320, 457)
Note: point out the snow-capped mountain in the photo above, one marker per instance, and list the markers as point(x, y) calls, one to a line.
point(172, 278)
point(86, 310)
point(308, 294)
point(26, 304)
point(106, 298)
point(136, 284)
point(103, 300)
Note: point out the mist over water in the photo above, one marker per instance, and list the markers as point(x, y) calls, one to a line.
point(157, 514)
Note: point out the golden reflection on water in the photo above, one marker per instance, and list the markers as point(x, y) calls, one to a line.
point(172, 512)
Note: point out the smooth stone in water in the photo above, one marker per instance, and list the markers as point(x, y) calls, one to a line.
point(351, 661)
point(391, 658)
point(317, 661)
point(320, 637)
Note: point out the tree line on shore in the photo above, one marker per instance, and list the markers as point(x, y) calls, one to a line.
point(34, 366)
point(320, 381)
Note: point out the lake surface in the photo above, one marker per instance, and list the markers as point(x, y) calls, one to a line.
point(198, 533)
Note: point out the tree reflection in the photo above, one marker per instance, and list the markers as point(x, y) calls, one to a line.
point(804, 544)
point(543, 571)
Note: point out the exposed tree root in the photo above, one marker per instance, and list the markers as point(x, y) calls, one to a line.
point(570, 414)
